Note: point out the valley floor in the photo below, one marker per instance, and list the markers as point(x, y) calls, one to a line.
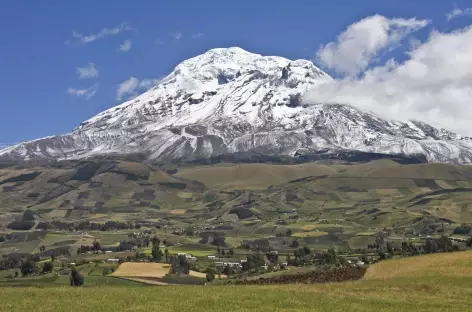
point(428, 287)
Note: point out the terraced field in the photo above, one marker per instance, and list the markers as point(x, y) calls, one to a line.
point(320, 204)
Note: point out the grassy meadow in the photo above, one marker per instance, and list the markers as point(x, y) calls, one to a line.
point(439, 282)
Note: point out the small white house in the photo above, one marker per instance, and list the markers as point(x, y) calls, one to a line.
point(113, 260)
point(211, 257)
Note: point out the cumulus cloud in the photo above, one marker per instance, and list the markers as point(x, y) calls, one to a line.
point(457, 12)
point(177, 35)
point(104, 32)
point(356, 47)
point(125, 46)
point(130, 87)
point(85, 93)
point(88, 71)
point(433, 85)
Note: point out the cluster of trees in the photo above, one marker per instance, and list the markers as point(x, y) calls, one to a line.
point(91, 226)
point(253, 262)
point(305, 256)
point(15, 260)
point(463, 229)
point(283, 234)
point(26, 263)
point(95, 247)
point(222, 252)
point(431, 245)
point(156, 251)
point(179, 265)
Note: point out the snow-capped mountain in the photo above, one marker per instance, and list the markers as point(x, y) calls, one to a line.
point(230, 100)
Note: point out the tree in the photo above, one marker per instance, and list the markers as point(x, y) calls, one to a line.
point(167, 254)
point(155, 241)
point(28, 267)
point(157, 253)
point(17, 274)
point(430, 246)
point(210, 276)
point(228, 270)
point(218, 250)
point(223, 252)
point(295, 243)
point(76, 279)
point(463, 229)
point(231, 252)
point(382, 254)
point(289, 232)
point(47, 267)
point(390, 248)
point(469, 242)
point(96, 246)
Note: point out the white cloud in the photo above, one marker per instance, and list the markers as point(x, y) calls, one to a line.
point(457, 12)
point(159, 41)
point(433, 85)
point(89, 71)
point(125, 46)
point(357, 46)
point(86, 93)
point(177, 35)
point(198, 35)
point(104, 32)
point(130, 88)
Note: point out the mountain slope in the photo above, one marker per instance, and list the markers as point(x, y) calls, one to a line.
point(230, 100)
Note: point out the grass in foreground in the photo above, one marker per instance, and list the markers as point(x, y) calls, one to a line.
point(388, 286)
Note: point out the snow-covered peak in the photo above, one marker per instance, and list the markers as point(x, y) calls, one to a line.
point(230, 100)
point(229, 80)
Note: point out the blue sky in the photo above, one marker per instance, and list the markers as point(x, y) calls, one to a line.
point(44, 43)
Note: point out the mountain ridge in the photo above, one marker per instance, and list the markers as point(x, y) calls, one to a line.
point(228, 100)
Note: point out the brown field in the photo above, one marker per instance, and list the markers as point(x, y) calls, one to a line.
point(178, 211)
point(252, 176)
point(58, 213)
point(456, 264)
point(136, 269)
point(310, 234)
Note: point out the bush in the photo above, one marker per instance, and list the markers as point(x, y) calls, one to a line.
point(76, 279)
point(210, 276)
point(463, 229)
point(48, 267)
point(28, 267)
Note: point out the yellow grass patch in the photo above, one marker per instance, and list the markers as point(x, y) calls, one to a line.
point(178, 211)
point(310, 234)
point(136, 269)
point(251, 176)
point(310, 227)
point(58, 213)
point(455, 264)
point(184, 195)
